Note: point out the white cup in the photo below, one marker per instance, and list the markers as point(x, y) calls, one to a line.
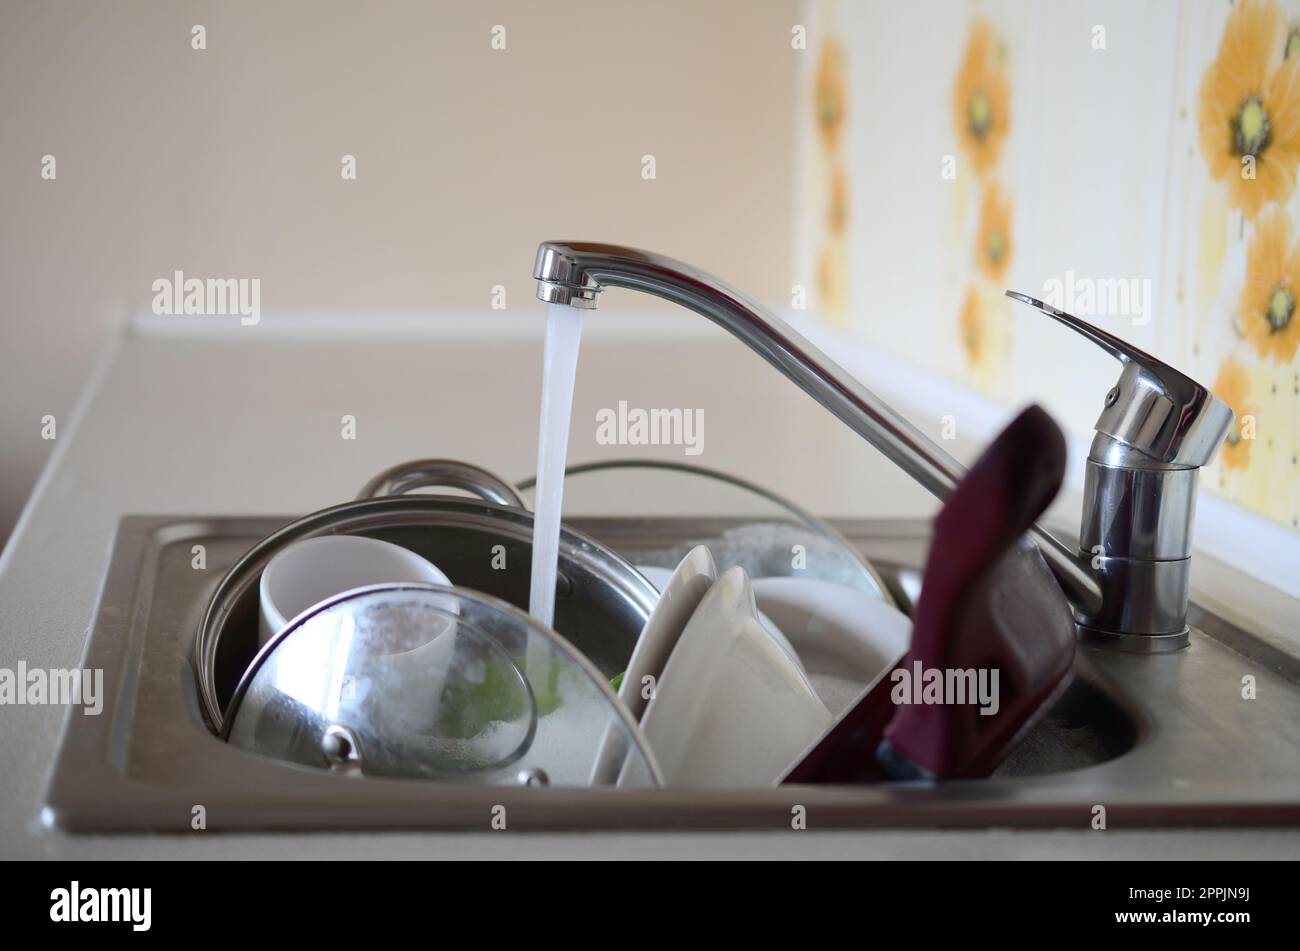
point(309, 571)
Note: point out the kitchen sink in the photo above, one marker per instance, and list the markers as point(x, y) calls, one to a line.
point(1137, 740)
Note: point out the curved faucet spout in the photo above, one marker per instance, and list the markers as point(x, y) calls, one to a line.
point(574, 273)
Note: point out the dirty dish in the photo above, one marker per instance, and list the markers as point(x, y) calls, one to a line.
point(845, 637)
point(679, 596)
point(731, 707)
point(659, 577)
point(993, 636)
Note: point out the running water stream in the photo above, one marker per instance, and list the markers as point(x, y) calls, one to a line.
point(560, 366)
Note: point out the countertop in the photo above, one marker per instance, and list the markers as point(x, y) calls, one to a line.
point(230, 426)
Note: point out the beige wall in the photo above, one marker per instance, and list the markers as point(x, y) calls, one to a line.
point(225, 162)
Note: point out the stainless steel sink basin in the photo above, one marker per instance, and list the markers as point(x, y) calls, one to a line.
point(1157, 740)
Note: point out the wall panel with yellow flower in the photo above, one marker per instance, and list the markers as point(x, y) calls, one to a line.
point(982, 119)
point(981, 97)
point(909, 170)
point(826, 177)
point(1236, 242)
point(1022, 148)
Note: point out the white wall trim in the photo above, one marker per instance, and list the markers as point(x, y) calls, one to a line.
point(518, 323)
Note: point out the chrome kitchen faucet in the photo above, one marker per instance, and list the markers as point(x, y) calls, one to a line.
point(1128, 582)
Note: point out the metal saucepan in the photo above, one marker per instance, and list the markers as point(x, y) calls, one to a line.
point(601, 606)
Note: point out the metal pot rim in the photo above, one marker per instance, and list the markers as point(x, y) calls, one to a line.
point(389, 511)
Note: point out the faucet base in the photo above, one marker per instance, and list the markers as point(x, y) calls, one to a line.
point(1134, 643)
point(1139, 596)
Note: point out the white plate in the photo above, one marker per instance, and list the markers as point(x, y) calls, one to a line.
point(844, 636)
point(680, 595)
point(731, 707)
point(659, 577)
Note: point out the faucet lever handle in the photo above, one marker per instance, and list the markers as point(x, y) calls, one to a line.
point(1153, 408)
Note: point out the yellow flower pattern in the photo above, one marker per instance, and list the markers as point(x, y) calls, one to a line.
point(1232, 387)
point(1247, 112)
point(1249, 109)
point(981, 98)
point(981, 109)
point(1267, 315)
point(829, 111)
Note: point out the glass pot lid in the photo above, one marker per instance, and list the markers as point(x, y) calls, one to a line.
point(741, 523)
point(437, 683)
